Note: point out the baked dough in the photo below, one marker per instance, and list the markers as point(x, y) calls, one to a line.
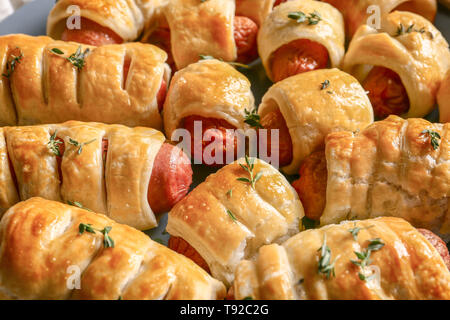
point(46, 88)
point(278, 30)
point(312, 112)
point(443, 99)
point(256, 10)
point(390, 169)
point(421, 57)
point(118, 189)
point(410, 268)
point(268, 213)
point(44, 260)
point(210, 89)
point(359, 12)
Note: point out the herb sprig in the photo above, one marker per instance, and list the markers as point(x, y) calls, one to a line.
point(354, 231)
point(326, 266)
point(11, 65)
point(80, 145)
point(324, 84)
point(253, 118)
point(401, 30)
point(78, 204)
point(54, 143)
point(77, 58)
point(250, 165)
point(364, 257)
point(434, 137)
point(231, 215)
point(234, 64)
point(108, 242)
point(300, 17)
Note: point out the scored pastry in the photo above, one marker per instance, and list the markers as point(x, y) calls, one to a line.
point(131, 175)
point(307, 107)
point(401, 65)
point(211, 93)
point(359, 12)
point(383, 258)
point(394, 167)
point(235, 211)
point(443, 99)
point(300, 36)
point(47, 81)
point(53, 251)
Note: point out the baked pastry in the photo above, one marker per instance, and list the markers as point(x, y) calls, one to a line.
point(322, 264)
point(300, 36)
point(215, 95)
point(64, 252)
point(257, 10)
point(307, 107)
point(409, 57)
point(225, 219)
point(443, 99)
point(394, 167)
point(128, 174)
point(46, 81)
point(359, 12)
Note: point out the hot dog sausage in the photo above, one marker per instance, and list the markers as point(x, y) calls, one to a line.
point(181, 246)
point(438, 243)
point(91, 33)
point(245, 33)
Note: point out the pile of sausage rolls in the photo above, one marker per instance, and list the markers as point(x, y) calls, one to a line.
point(107, 120)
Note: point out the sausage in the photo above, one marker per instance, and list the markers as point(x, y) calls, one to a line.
point(91, 33)
point(278, 2)
point(181, 246)
point(386, 92)
point(170, 179)
point(312, 184)
point(161, 96)
point(297, 57)
point(439, 245)
point(275, 120)
point(245, 33)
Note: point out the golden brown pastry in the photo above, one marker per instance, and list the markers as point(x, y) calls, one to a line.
point(322, 264)
point(359, 12)
point(415, 57)
point(225, 219)
point(313, 104)
point(443, 99)
point(300, 36)
point(110, 169)
point(257, 10)
point(116, 84)
point(43, 251)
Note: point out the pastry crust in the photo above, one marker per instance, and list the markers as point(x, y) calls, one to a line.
point(198, 27)
point(44, 260)
point(443, 99)
point(278, 30)
point(8, 191)
point(118, 189)
point(410, 268)
point(256, 10)
point(46, 88)
point(390, 169)
point(420, 58)
point(311, 112)
point(269, 213)
point(211, 89)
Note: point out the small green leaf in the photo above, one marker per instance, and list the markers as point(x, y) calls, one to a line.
point(57, 51)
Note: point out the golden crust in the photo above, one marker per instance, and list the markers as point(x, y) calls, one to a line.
point(312, 113)
point(201, 28)
point(211, 89)
point(278, 30)
point(41, 250)
point(8, 192)
point(46, 88)
point(390, 169)
point(421, 59)
point(443, 99)
point(268, 213)
point(409, 266)
point(256, 10)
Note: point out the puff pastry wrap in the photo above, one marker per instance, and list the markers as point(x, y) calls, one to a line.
point(311, 113)
point(278, 30)
point(118, 189)
point(40, 240)
point(421, 59)
point(256, 10)
point(127, 18)
point(357, 13)
point(409, 266)
point(46, 88)
point(390, 169)
point(269, 213)
point(443, 99)
point(210, 89)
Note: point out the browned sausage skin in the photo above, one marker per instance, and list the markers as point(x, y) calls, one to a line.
point(183, 247)
point(438, 243)
point(91, 33)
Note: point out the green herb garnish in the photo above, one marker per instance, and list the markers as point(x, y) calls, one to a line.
point(434, 138)
point(354, 231)
point(231, 215)
point(250, 165)
point(325, 265)
point(401, 30)
point(77, 58)
point(364, 257)
point(253, 118)
point(53, 145)
point(300, 17)
point(78, 204)
point(11, 65)
point(80, 145)
point(108, 242)
point(325, 84)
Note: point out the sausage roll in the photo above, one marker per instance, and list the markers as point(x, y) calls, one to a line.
point(128, 174)
point(53, 251)
point(307, 107)
point(300, 36)
point(211, 93)
point(235, 211)
point(359, 12)
point(46, 81)
point(383, 258)
point(401, 65)
point(443, 99)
